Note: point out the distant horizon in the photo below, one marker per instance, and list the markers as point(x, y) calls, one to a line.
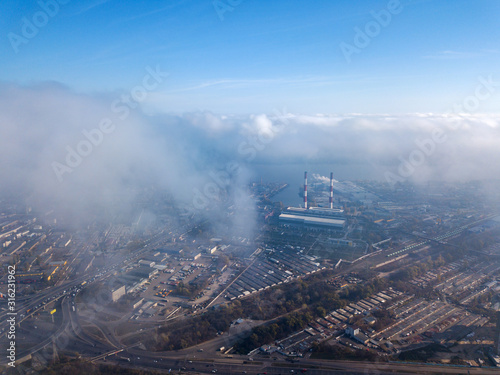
point(194, 93)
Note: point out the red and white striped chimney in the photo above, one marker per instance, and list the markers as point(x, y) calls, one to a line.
point(305, 190)
point(331, 189)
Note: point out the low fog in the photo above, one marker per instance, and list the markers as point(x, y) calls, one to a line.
point(73, 152)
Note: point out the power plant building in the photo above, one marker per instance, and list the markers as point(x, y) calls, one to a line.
point(314, 217)
point(311, 220)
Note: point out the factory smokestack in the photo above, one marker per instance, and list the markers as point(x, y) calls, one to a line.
point(331, 189)
point(305, 190)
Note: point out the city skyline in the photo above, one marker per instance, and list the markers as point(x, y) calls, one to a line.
point(243, 186)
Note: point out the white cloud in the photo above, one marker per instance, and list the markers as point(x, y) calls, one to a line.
point(178, 152)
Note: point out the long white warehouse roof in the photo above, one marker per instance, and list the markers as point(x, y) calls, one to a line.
point(312, 220)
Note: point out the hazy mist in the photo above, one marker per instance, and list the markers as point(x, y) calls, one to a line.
point(41, 124)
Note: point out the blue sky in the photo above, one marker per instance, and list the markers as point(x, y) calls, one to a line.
point(263, 55)
point(268, 86)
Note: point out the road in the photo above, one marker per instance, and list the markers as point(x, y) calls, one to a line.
point(241, 364)
point(191, 359)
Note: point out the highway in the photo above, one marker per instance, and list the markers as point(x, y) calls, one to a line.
point(36, 302)
point(28, 306)
point(190, 359)
point(242, 365)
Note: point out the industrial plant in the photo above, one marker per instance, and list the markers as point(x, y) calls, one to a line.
point(314, 218)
